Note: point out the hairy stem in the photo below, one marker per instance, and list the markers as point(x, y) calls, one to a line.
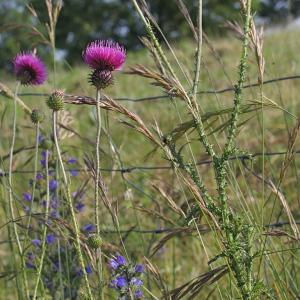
point(97, 220)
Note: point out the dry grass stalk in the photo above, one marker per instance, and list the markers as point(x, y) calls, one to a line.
point(167, 83)
point(65, 120)
point(111, 105)
point(170, 201)
point(6, 91)
point(192, 288)
point(287, 209)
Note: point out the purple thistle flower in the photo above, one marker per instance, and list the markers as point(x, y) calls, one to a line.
point(29, 69)
point(139, 268)
point(136, 281)
point(27, 197)
point(53, 184)
point(50, 239)
point(104, 55)
point(88, 228)
point(36, 242)
point(138, 294)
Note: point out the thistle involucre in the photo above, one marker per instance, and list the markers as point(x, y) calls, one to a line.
point(56, 100)
point(29, 69)
point(103, 57)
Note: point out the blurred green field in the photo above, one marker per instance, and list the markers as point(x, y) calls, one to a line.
point(183, 257)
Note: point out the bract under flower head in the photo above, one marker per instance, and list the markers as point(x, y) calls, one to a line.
point(29, 69)
point(104, 55)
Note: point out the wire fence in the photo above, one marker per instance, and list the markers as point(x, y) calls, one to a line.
point(168, 96)
point(169, 167)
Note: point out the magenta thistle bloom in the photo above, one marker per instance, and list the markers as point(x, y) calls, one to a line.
point(104, 55)
point(29, 69)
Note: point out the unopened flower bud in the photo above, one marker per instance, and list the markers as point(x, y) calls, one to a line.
point(94, 241)
point(101, 79)
point(56, 100)
point(36, 116)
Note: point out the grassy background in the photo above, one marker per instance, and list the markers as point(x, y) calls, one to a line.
point(183, 257)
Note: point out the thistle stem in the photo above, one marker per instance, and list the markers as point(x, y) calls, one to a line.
point(70, 204)
point(10, 193)
point(97, 220)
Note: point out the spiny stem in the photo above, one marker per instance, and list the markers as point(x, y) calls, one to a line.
point(10, 193)
point(70, 204)
point(39, 272)
point(97, 220)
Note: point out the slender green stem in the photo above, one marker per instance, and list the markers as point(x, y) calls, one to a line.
point(39, 272)
point(70, 204)
point(10, 194)
point(97, 220)
point(36, 152)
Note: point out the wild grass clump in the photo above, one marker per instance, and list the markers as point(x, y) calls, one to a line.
point(206, 215)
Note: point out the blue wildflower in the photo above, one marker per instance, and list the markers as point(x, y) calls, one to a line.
point(53, 184)
point(138, 294)
point(139, 268)
point(50, 239)
point(39, 176)
point(36, 242)
point(136, 282)
point(120, 282)
point(88, 227)
point(73, 172)
point(72, 160)
point(27, 196)
point(79, 206)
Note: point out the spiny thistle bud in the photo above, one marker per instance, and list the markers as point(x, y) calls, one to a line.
point(56, 100)
point(101, 79)
point(36, 116)
point(94, 241)
point(46, 144)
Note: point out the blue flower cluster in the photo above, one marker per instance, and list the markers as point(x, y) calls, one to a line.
point(126, 278)
point(61, 255)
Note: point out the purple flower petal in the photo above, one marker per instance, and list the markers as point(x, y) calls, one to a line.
point(36, 242)
point(53, 184)
point(29, 69)
point(79, 206)
point(139, 268)
point(72, 161)
point(73, 172)
point(27, 197)
point(104, 55)
point(50, 239)
point(136, 282)
point(88, 228)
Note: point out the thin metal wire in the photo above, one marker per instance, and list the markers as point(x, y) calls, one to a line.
point(150, 168)
point(166, 96)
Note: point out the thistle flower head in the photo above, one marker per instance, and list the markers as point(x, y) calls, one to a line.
point(29, 69)
point(104, 55)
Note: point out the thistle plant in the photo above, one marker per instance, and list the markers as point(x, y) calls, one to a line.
point(103, 57)
point(29, 70)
